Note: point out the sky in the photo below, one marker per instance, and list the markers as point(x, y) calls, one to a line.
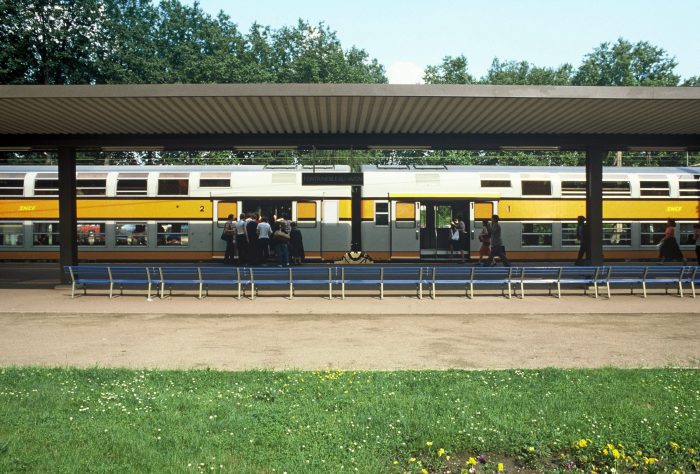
point(406, 36)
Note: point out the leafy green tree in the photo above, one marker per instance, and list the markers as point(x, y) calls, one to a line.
point(626, 64)
point(453, 70)
point(525, 73)
point(693, 81)
point(51, 41)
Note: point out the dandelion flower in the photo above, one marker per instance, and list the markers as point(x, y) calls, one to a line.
point(429, 443)
point(440, 452)
point(472, 461)
point(500, 467)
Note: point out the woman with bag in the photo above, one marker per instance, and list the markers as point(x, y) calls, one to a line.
point(228, 236)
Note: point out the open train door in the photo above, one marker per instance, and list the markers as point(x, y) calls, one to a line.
point(221, 210)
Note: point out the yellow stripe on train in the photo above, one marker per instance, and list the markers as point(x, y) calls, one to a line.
point(524, 209)
point(113, 209)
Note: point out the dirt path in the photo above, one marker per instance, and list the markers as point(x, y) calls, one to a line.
point(350, 341)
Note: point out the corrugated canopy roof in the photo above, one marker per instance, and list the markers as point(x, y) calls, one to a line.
point(370, 114)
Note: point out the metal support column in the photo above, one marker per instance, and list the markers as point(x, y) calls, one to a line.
point(356, 209)
point(67, 210)
point(594, 202)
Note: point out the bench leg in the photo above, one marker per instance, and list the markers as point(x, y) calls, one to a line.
point(148, 296)
point(291, 291)
point(252, 291)
point(200, 290)
point(608, 285)
point(420, 291)
point(342, 290)
point(522, 291)
point(432, 291)
point(72, 291)
point(644, 289)
point(680, 289)
point(111, 288)
point(330, 290)
point(381, 291)
point(471, 291)
point(558, 290)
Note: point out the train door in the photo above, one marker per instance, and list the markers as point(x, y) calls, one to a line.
point(435, 220)
point(221, 210)
point(405, 231)
point(481, 211)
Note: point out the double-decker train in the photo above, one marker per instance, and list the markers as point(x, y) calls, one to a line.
point(399, 212)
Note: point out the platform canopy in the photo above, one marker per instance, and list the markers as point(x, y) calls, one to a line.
point(230, 116)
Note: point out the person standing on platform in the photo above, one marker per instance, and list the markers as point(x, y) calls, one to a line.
point(462, 229)
point(582, 237)
point(485, 239)
point(264, 232)
point(251, 230)
point(497, 247)
point(669, 250)
point(241, 240)
point(696, 235)
point(229, 235)
point(296, 245)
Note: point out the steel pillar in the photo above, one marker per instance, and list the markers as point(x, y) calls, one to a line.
point(594, 202)
point(67, 210)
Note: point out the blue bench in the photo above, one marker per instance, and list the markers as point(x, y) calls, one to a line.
point(380, 277)
point(83, 276)
point(645, 277)
point(233, 277)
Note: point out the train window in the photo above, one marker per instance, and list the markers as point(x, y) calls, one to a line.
point(173, 233)
point(651, 232)
point(495, 183)
point(381, 213)
point(536, 234)
point(405, 215)
point(215, 183)
point(306, 214)
point(173, 187)
point(132, 187)
point(686, 233)
point(616, 188)
point(45, 233)
point(128, 233)
point(689, 188)
point(654, 188)
point(569, 234)
point(573, 188)
point(11, 235)
point(46, 187)
point(617, 233)
point(11, 187)
point(91, 187)
point(537, 188)
point(91, 234)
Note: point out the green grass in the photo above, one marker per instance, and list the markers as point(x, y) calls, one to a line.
point(103, 420)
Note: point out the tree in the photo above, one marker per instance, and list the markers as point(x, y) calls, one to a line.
point(524, 73)
point(451, 71)
point(627, 64)
point(693, 81)
point(51, 41)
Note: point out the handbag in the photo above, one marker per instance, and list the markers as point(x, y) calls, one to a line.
point(226, 236)
point(280, 236)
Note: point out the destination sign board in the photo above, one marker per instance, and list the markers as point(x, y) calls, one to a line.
point(332, 179)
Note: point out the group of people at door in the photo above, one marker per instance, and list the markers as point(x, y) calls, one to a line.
point(252, 237)
point(490, 239)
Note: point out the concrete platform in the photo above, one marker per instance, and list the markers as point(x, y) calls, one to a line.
point(40, 325)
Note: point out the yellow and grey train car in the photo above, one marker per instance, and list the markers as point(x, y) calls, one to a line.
point(406, 210)
point(166, 212)
point(402, 212)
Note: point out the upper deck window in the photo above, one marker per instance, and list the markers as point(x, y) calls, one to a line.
point(46, 187)
point(173, 187)
point(654, 188)
point(132, 186)
point(495, 183)
point(91, 187)
point(11, 187)
point(573, 188)
point(689, 188)
point(215, 183)
point(537, 188)
point(616, 188)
